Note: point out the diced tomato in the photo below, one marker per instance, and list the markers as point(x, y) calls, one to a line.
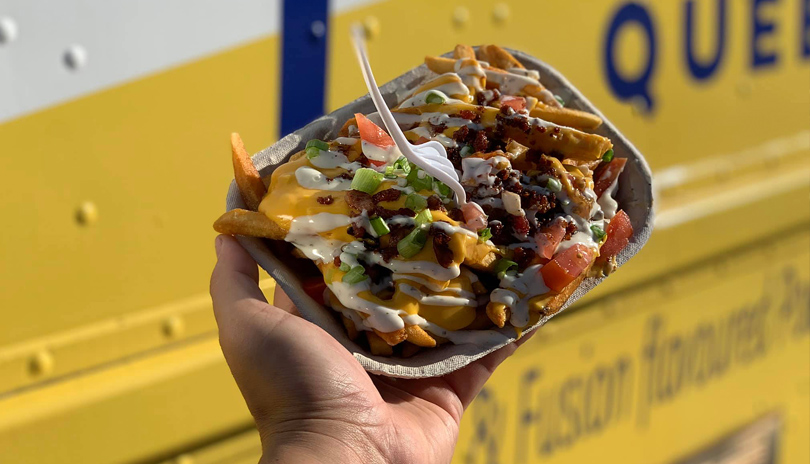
point(550, 237)
point(517, 103)
point(619, 232)
point(314, 287)
point(372, 133)
point(474, 216)
point(566, 266)
point(606, 174)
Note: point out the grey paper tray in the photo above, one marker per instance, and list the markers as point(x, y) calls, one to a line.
point(634, 196)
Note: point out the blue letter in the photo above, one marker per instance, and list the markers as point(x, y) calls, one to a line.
point(704, 70)
point(626, 88)
point(759, 28)
point(804, 31)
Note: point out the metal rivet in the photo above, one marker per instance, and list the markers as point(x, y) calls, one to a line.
point(75, 57)
point(460, 16)
point(174, 327)
point(500, 13)
point(8, 30)
point(87, 213)
point(371, 26)
point(318, 29)
point(41, 363)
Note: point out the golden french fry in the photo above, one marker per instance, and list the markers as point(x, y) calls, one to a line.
point(481, 321)
point(555, 303)
point(498, 57)
point(419, 337)
point(392, 338)
point(247, 177)
point(463, 51)
point(566, 117)
point(249, 223)
point(351, 330)
point(498, 313)
point(409, 349)
point(440, 65)
point(377, 345)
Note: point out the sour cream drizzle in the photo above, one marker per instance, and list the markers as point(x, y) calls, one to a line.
point(312, 179)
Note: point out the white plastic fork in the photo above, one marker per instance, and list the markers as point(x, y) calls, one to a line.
point(430, 156)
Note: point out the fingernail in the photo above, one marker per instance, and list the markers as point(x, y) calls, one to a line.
point(218, 244)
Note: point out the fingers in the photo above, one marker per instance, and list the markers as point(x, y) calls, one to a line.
point(468, 381)
point(234, 281)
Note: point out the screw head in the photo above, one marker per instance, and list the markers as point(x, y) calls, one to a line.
point(87, 213)
point(174, 327)
point(461, 15)
point(8, 30)
point(318, 29)
point(371, 26)
point(500, 13)
point(41, 363)
point(75, 57)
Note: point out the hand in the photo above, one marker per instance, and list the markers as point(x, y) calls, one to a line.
point(311, 400)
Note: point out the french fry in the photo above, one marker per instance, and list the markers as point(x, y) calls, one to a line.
point(377, 345)
point(351, 330)
point(409, 349)
point(392, 338)
point(498, 313)
point(419, 337)
point(498, 57)
point(463, 51)
point(566, 117)
point(567, 141)
point(249, 223)
point(247, 177)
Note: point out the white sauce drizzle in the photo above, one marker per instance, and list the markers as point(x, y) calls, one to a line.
point(437, 300)
point(312, 179)
point(529, 284)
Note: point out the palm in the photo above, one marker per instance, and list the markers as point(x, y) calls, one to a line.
point(304, 388)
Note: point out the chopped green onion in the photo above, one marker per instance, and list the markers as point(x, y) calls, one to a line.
point(319, 144)
point(559, 99)
point(412, 243)
point(366, 180)
point(403, 164)
point(502, 266)
point(415, 202)
point(345, 267)
point(389, 172)
point(608, 156)
point(434, 96)
point(484, 235)
point(356, 275)
point(466, 150)
point(598, 233)
point(379, 226)
point(554, 185)
point(420, 183)
point(443, 189)
point(424, 217)
point(313, 152)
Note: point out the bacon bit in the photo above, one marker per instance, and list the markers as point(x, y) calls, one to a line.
point(481, 143)
point(421, 140)
point(471, 115)
point(359, 201)
point(444, 255)
point(456, 214)
point(520, 225)
point(327, 200)
point(523, 257)
point(356, 231)
point(337, 261)
point(386, 195)
point(570, 230)
point(435, 203)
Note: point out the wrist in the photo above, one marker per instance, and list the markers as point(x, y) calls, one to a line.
point(316, 448)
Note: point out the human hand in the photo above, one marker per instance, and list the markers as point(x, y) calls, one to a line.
point(311, 400)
